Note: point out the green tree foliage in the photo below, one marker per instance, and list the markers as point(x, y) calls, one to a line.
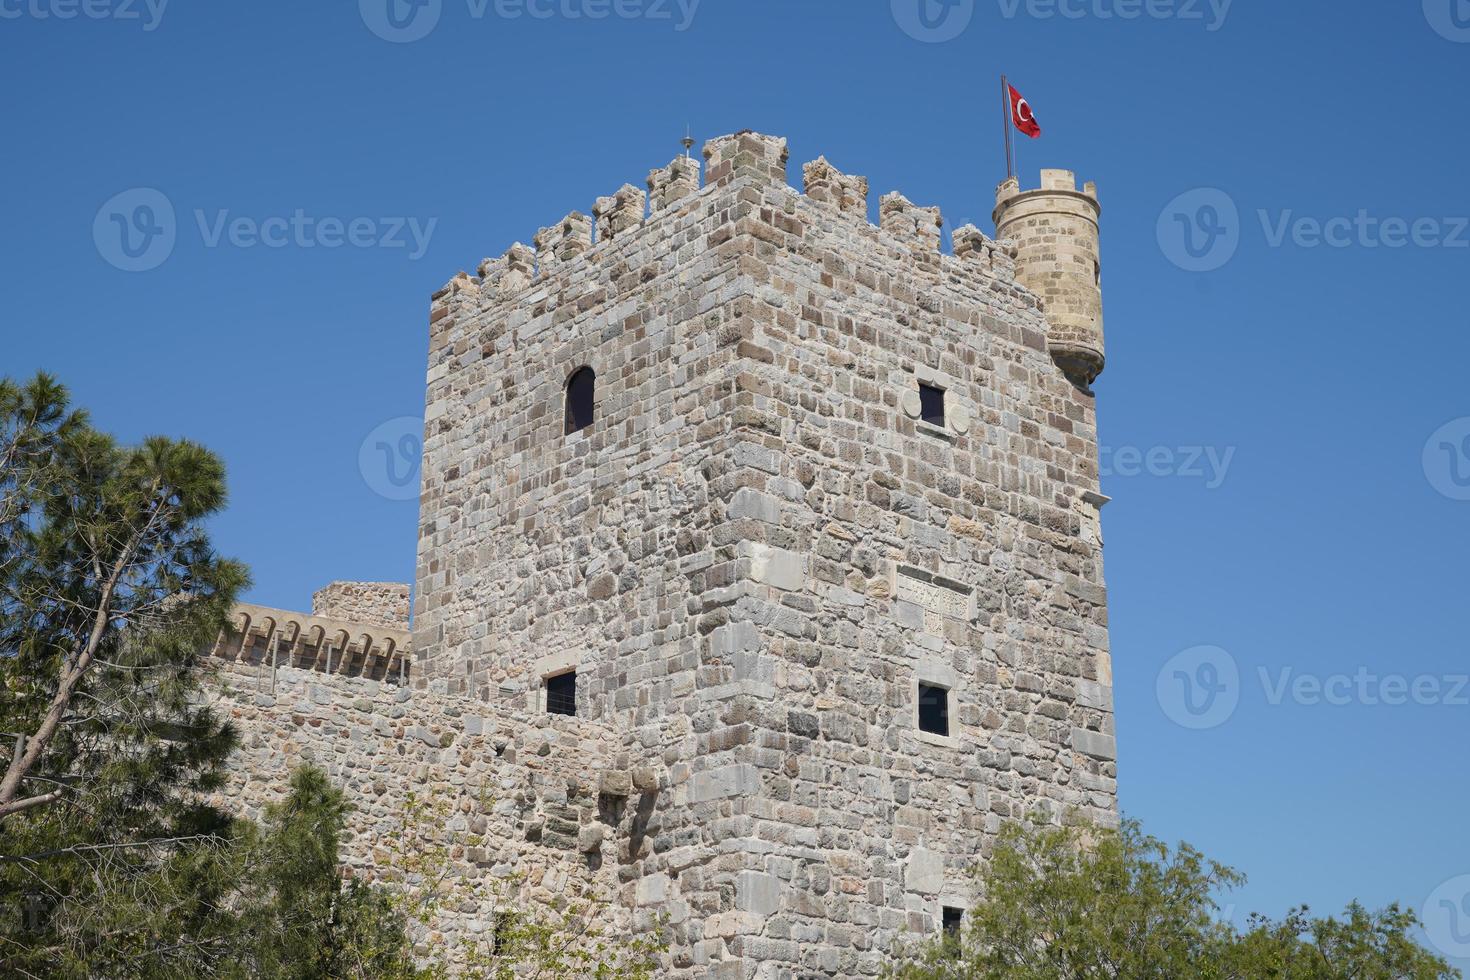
point(110, 863)
point(1079, 903)
point(300, 918)
point(109, 592)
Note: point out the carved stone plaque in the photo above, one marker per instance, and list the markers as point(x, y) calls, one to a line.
point(933, 593)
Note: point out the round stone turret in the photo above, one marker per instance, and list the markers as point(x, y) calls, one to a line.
point(1055, 233)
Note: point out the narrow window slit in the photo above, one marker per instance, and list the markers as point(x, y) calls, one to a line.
point(561, 694)
point(931, 404)
point(933, 709)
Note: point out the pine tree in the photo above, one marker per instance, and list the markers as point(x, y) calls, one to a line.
point(110, 593)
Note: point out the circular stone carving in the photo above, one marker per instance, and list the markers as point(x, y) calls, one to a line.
point(911, 404)
point(960, 419)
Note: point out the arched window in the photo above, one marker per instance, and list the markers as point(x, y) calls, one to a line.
point(581, 397)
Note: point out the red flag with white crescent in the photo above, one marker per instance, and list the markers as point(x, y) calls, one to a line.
point(1022, 115)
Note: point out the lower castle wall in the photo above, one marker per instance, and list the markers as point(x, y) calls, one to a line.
point(527, 822)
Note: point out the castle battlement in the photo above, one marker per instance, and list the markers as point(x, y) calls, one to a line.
point(265, 639)
point(745, 155)
point(779, 521)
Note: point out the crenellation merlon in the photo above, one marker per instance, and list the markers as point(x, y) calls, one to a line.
point(745, 154)
point(671, 184)
point(916, 227)
point(970, 244)
point(620, 211)
point(824, 182)
point(562, 242)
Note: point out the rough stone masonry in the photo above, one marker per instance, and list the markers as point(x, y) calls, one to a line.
point(831, 471)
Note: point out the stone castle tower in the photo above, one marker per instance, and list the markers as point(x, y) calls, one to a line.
point(759, 571)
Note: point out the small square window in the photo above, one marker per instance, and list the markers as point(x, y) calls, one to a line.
point(931, 404)
point(952, 919)
point(561, 694)
point(933, 709)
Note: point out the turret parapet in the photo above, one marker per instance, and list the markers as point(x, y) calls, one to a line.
point(742, 154)
point(918, 227)
point(1055, 230)
point(673, 183)
point(563, 241)
point(619, 212)
point(1007, 189)
point(824, 182)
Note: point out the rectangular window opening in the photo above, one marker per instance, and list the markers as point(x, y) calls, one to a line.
point(952, 918)
point(931, 404)
point(561, 694)
point(933, 709)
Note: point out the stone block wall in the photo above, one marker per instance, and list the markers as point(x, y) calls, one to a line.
point(875, 551)
point(752, 558)
point(370, 603)
point(541, 550)
point(536, 805)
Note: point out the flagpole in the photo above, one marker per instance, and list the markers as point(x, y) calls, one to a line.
point(1005, 108)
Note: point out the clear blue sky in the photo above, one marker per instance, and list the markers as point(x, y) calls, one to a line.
point(1325, 547)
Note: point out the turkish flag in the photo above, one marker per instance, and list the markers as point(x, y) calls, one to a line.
point(1021, 114)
